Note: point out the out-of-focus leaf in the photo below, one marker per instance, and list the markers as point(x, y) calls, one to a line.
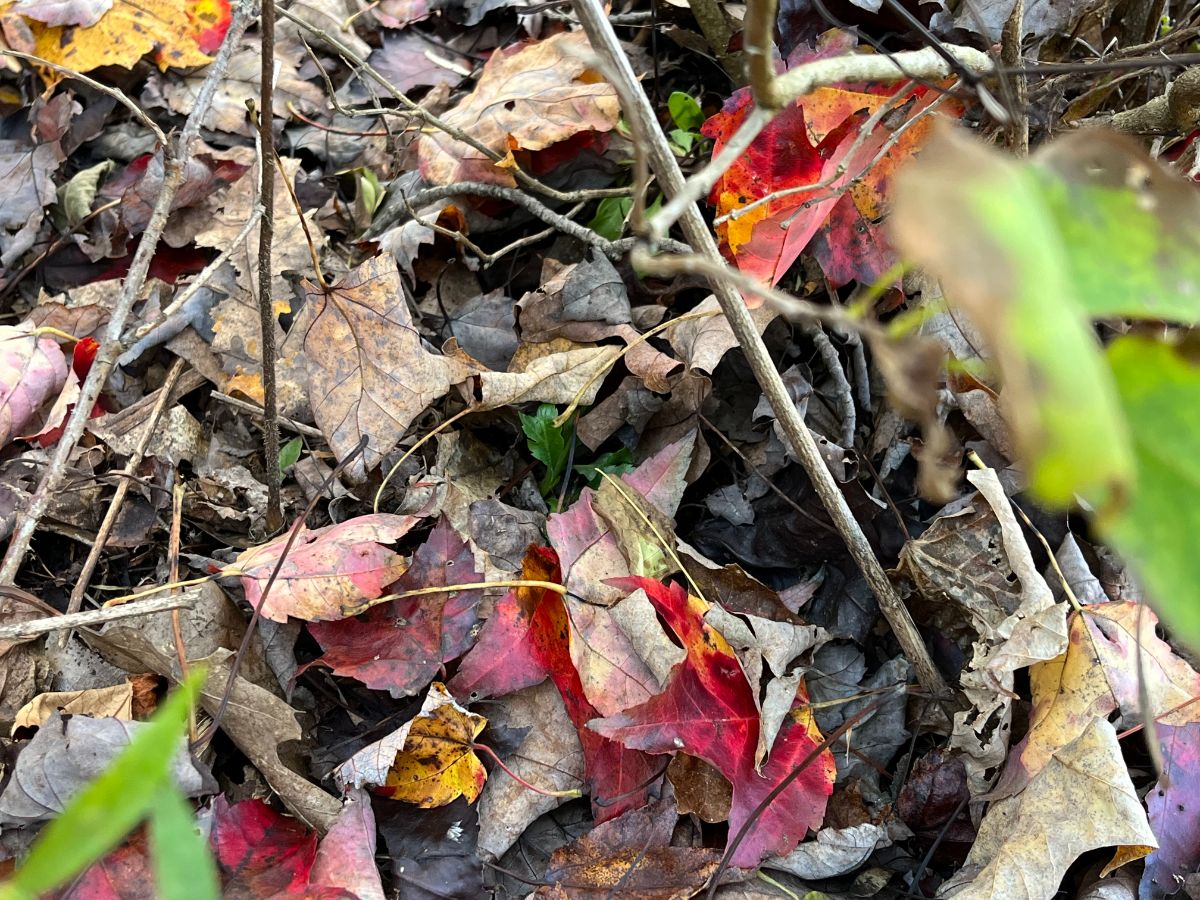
point(1173, 811)
point(183, 866)
point(289, 454)
point(32, 370)
point(1157, 388)
point(609, 221)
point(106, 810)
point(76, 196)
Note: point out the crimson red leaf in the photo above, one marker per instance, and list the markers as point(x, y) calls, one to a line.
point(401, 645)
point(259, 851)
point(708, 710)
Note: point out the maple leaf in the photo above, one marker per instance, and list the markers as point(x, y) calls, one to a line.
point(814, 141)
point(530, 637)
point(529, 97)
point(329, 573)
point(121, 37)
point(399, 646)
point(429, 760)
point(707, 710)
point(369, 371)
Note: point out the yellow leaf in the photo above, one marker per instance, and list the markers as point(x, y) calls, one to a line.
point(125, 34)
point(437, 763)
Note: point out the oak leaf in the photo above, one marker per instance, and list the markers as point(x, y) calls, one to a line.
point(529, 97)
point(329, 573)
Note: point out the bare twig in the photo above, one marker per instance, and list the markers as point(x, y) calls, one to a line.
point(1016, 131)
point(174, 166)
point(266, 234)
point(118, 95)
point(290, 424)
point(185, 600)
point(114, 506)
point(666, 168)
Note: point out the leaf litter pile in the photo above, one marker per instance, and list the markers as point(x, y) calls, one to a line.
point(532, 589)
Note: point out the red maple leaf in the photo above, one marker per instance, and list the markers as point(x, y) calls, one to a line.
point(707, 710)
point(401, 645)
point(526, 640)
point(814, 141)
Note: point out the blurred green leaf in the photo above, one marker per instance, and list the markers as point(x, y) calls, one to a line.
point(609, 221)
point(289, 454)
point(685, 111)
point(183, 865)
point(100, 816)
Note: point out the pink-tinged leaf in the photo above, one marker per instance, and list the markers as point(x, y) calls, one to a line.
point(329, 573)
point(32, 370)
point(850, 247)
point(707, 710)
point(503, 658)
point(346, 857)
point(400, 646)
point(259, 851)
point(1174, 809)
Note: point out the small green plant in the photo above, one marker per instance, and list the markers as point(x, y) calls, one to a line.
point(688, 117)
point(551, 446)
point(136, 787)
point(289, 454)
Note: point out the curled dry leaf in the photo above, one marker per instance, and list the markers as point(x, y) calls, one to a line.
point(529, 97)
point(32, 369)
point(430, 760)
point(329, 573)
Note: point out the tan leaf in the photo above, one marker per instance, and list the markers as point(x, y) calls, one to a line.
point(529, 97)
point(114, 702)
point(369, 373)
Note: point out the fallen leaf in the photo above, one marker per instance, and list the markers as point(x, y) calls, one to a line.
point(1173, 815)
point(632, 855)
point(370, 374)
point(528, 98)
point(428, 761)
point(66, 754)
point(32, 370)
point(114, 702)
point(1084, 794)
point(122, 36)
point(345, 858)
point(260, 852)
point(707, 710)
point(433, 852)
point(329, 573)
point(63, 12)
point(400, 646)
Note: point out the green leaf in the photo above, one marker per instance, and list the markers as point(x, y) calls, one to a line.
point(1156, 531)
point(684, 140)
point(549, 444)
point(609, 221)
point(615, 462)
point(979, 221)
point(685, 111)
point(289, 454)
point(183, 865)
point(1129, 228)
point(99, 817)
point(76, 196)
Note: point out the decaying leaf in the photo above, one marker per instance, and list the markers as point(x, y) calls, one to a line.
point(428, 761)
point(528, 98)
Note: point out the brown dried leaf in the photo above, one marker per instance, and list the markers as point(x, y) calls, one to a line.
point(369, 373)
point(529, 97)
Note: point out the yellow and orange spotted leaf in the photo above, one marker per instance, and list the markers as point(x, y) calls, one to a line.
point(125, 34)
point(430, 760)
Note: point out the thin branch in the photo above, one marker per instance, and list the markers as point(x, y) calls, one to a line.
point(118, 95)
point(290, 424)
point(266, 269)
point(35, 627)
point(118, 499)
point(646, 128)
point(173, 169)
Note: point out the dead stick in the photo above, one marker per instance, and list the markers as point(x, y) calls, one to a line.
point(114, 506)
point(185, 600)
point(266, 316)
point(662, 160)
